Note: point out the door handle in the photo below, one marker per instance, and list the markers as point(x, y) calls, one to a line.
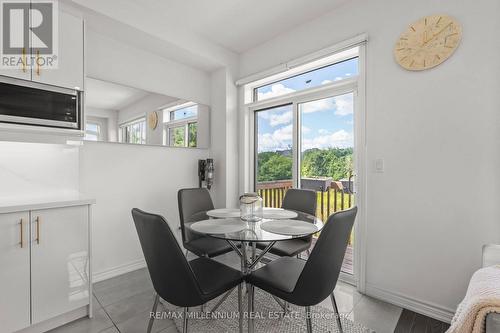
point(37, 221)
point(21, 224)
point(38, 62)
point(350, 187)
point(23, 61)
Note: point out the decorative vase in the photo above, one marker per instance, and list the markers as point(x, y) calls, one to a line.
point(251, 207)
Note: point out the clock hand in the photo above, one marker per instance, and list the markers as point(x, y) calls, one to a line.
point(437, 34)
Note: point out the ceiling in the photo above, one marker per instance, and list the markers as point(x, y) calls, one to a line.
point(238, 25)
point(110, 96)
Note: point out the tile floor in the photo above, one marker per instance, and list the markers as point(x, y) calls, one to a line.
point(122, 304)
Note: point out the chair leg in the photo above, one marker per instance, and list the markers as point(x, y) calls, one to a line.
point(185, 325)
point(308, 252)
point(337, 314)
point(240, 307)
point(308, 320)
point(187, 252)
point(152, 319)
point(250, 308)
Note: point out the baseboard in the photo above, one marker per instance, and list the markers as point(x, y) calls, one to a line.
point(118, 270)
point(426, 308)
point(57, 321)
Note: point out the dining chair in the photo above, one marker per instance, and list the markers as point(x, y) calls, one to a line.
point(304, 201)
point(193, 205)
point(178, 281)
point(307, 283)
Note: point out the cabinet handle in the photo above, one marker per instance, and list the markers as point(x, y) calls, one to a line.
point(37, 62)
point(22, 233)
point(24, 60)
point(37, 220)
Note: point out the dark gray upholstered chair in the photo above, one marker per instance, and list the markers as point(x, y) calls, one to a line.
point(193, 205)
point(307, 283)
point(177, 281)
point(302, 201)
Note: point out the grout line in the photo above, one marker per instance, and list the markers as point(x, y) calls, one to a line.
point(107, 314)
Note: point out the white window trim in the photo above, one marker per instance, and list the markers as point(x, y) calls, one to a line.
point(129, 123)
point(247, 130)
point(185, 122)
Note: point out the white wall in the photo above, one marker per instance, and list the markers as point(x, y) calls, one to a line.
point(114, 61)
point(122, 177)
point(224, 138)
point(439, 132)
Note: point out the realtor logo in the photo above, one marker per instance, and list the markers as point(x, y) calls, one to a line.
point(29, 34)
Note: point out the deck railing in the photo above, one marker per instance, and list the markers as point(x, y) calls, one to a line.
point(330, 200)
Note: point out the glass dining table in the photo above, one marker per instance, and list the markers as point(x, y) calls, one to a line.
point(275, 226)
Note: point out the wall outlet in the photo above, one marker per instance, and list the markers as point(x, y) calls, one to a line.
point(379, 165)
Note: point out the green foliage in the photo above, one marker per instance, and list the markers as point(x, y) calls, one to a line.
point(333, 162)
point(274, 166)
point(192, 135)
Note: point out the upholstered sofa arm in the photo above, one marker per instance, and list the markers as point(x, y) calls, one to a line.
point(491, 256)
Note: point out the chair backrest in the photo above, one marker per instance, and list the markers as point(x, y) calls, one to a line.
point(300, 200)
point(320, 274)
point(193, 203)
point(171, 274)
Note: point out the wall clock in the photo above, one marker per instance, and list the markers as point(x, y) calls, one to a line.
point(153, 120)
point(428, 42)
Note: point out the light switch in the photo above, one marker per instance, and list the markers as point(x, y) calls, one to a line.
point(379, 165)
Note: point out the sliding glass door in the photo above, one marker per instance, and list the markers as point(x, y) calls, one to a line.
point(308, 143)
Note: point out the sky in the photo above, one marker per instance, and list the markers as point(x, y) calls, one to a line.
point(325, 123)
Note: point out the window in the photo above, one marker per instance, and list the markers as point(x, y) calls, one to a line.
point(181, 125)
point(92, 131)
point(314, 78)
point(134, 131)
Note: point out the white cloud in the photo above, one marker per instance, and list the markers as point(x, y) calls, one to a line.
point(339, 139)
point(277, 89)
point(319, 105)
point(326, 81)
point(323, 131)
point(338, 78)
point(280, 139)
point(344, 105)
point(281, 118)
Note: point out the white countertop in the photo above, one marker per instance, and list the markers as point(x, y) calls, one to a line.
point(24, 203)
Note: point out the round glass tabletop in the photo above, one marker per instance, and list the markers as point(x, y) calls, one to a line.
point(235, 229)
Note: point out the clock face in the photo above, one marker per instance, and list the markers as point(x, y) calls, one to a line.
point(153, 120)
point(428, 42)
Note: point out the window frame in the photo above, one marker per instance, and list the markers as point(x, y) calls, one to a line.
point(124, 125)
point(171, 124)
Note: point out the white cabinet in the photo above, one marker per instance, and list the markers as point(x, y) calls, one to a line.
point(20, 72)
point(70, 57)
point(59, 261)
point(14, 271)
point(44, 265)
point(69, 72)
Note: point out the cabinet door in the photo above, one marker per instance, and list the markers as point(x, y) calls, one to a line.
point(59, 261)
point(14, 272)
point(69, 72)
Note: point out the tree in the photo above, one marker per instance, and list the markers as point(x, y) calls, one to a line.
point(274, 167)
point(333, 162)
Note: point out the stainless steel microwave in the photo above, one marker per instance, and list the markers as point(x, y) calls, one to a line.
point(32, 103)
